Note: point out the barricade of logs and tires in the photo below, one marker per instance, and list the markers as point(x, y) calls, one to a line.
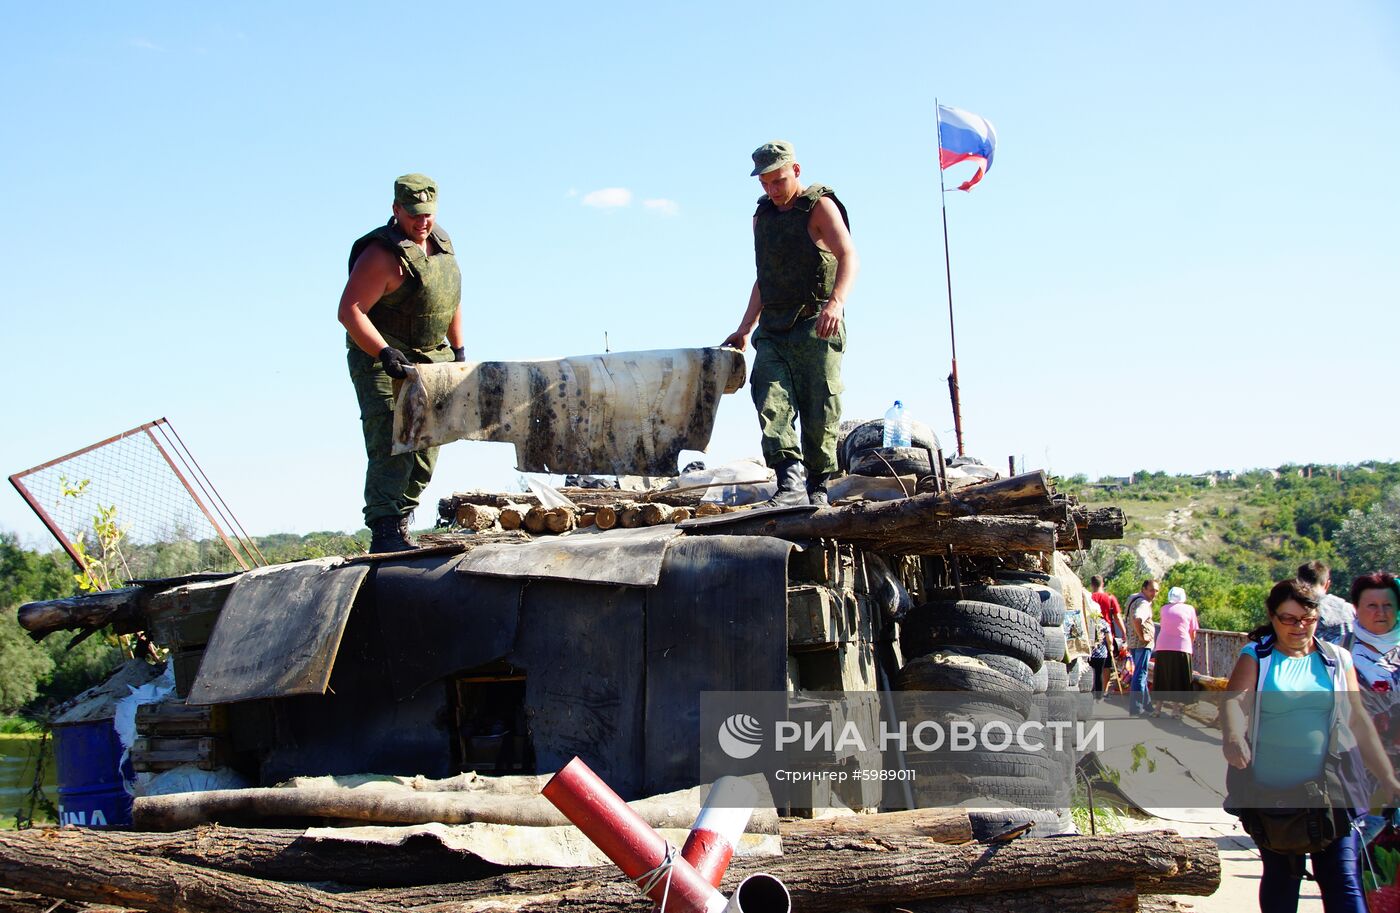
point(915, 861)
point(1018, 514)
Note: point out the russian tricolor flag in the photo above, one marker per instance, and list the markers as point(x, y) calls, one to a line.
point(965, 137)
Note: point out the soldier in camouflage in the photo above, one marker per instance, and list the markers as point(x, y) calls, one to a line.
point(806, 267)
point(400, 307)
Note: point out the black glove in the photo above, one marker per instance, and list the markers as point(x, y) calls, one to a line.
point(394, 362)
point(459, 353)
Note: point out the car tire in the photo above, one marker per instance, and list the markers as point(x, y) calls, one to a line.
point(966, 623)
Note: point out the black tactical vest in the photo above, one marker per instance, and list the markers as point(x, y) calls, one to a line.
point(792, 270)
point(416, 314)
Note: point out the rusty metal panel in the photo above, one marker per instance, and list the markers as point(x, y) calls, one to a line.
point(279, 632)
point(630, 557)
point(623, 413)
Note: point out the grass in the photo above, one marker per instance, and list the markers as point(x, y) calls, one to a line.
point(1213, 511)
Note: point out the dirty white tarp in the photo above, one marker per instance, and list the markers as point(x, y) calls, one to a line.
point(512, 845)
point(668, 810)
point(623, 413)
point(552, 844)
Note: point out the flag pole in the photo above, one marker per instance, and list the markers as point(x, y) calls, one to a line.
point(953, 390)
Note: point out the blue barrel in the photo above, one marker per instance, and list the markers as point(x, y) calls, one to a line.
point(90, 792)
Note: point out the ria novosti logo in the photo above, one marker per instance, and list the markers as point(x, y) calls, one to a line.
point(740, 736)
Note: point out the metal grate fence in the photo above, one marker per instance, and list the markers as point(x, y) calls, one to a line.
point(136, 506)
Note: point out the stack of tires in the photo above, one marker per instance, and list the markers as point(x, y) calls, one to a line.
point(1000, 650)
point(860, 451)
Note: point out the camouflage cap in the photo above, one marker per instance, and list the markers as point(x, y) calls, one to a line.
point(771, 157)
point(416, 193)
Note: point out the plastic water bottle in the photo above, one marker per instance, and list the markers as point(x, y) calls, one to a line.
point(896, 426)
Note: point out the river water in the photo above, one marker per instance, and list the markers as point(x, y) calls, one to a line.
point(17, 756)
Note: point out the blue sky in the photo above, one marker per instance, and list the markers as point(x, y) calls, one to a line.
point(1177, 262)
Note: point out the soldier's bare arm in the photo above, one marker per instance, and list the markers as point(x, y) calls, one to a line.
point(456, 336)
point(376, 273)
point(740, 337)
point(828, 230)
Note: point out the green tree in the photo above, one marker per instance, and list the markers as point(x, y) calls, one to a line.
point(1370, 540)
point(24, 665)
point(25, 576)
point(1222, 601)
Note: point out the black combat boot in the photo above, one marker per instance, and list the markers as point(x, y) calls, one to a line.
point(792, 488)
point(816, 490)
point(389, 534)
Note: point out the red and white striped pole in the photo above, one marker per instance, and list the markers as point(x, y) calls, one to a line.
point(719, 827)
point(640, 852)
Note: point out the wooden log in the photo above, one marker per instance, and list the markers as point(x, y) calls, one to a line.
point(477, 516)
point(24, 902)
point(942, 825)
point(605, 517)
point(1112, 897)
point(93, 610)
point(583, 497)
point(55, 862)
point(290, 855)
point(630, 517)
point(589, 519)
point(559, 519)
point(655, 514)
point(876, 520)
point(535, 521)
point(513, 516)
point(680, 514)
point(1100, 523)
point(708, 509)
point(968, 535)
point(851, 872)
point(184, 810)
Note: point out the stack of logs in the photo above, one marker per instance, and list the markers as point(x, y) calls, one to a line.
point(917, 861)
point(543, 521)
point(1019, 514)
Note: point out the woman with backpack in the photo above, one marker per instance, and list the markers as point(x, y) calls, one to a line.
point(1293, 730)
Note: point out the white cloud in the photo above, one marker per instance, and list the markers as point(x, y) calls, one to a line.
point(608, 198)
point(664, 206)
point(145, 44)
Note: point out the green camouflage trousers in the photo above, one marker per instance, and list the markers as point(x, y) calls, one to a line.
point(797, 374)
point(393, 483)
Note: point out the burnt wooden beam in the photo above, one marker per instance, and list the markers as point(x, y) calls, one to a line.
point(872, 520)
point(88, 611)
point(1100, 523)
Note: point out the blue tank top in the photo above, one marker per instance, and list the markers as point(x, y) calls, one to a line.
point(1295, 718)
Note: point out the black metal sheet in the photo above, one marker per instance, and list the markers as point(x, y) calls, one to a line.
point(627, 557)
point(278, 632)
point(357, 726)
point(581, 648)
point(717, 621)
point(435, 621)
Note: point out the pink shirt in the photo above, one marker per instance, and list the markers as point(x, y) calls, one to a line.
point(1179, 627)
